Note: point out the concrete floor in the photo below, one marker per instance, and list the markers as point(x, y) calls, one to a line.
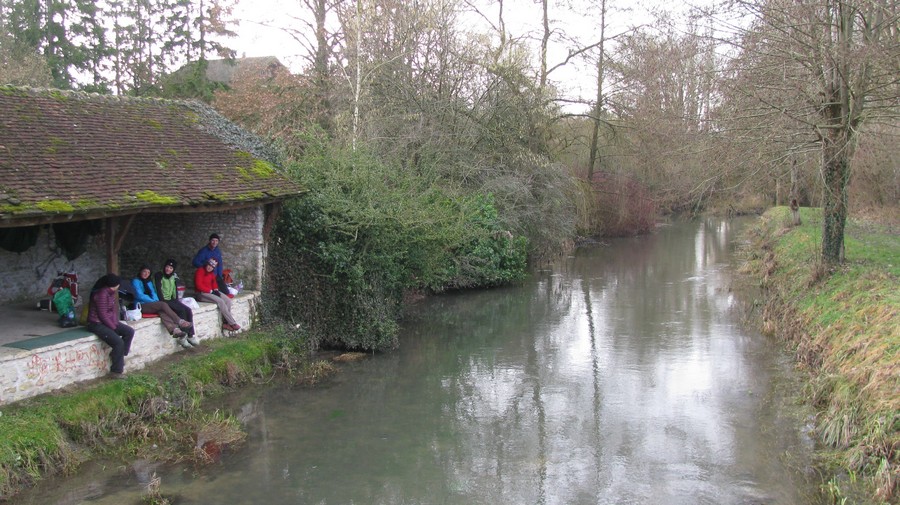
point(21, 321)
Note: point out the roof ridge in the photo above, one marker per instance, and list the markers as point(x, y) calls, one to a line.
point(72, 93)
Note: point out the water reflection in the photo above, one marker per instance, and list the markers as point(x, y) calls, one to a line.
point(618, 376)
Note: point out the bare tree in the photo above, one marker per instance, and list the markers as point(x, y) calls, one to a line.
point(597, 112)
point(827, 66)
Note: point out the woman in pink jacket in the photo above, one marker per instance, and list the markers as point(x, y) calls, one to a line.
point(103, 320)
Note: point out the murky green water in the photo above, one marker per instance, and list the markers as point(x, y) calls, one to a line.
point(621, 375)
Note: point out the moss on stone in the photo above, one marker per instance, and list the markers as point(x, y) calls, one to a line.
point(192, 118)
point(55, 206)
point(14, 208)
point(56, 144)
point(86, 204)
point(155, 198)
point(9, 90)
point(263, 168)
point(244, 155)
point(252, 195)
point(215, 196)
point(257, 168)
point(156, 125)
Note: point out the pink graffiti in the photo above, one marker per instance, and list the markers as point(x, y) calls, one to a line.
point(41, 367)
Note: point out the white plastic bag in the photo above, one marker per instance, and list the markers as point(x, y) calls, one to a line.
point(134, 314)
point(190, 303)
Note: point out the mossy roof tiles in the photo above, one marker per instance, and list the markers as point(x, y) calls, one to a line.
point(75, 153)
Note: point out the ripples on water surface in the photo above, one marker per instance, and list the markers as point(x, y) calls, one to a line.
point(620, 375)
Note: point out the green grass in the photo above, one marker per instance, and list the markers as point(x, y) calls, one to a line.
point(845, 329)
point(161, 406)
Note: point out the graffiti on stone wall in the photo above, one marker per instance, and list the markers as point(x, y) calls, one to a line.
point(41, 367)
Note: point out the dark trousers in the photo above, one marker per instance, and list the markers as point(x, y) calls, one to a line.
point(183, 312)
point(119, 339)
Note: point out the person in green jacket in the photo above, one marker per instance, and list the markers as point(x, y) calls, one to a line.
point(167, 284)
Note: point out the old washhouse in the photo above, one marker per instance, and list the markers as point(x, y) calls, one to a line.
point(96, 183)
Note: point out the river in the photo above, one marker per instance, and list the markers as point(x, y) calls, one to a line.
point(621, 374)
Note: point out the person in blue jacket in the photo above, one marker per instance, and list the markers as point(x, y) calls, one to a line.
point(145, 294)
point(210, 250)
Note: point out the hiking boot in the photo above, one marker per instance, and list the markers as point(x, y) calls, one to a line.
point(116, 375)
point(235, 327)
point(184, 342)
point(177, 333)
point(194, 341)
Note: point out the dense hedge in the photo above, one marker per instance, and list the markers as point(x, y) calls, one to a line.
point(344, 254)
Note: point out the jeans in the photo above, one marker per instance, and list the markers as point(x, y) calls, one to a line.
point(119, 339)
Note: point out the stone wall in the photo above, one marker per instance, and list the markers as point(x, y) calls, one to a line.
point(27, 275)
point(153, 238)
point(27, 373)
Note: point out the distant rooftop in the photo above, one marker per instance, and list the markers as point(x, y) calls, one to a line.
point(224, 71)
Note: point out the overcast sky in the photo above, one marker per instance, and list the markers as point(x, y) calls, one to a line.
point(580, 20)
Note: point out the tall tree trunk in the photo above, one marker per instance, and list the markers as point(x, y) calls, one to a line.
point(842, 113)
point(545, 40)
point(836, 151)
point(598, 105)
point(358, 73)
point(320, 65)
point(794, 197)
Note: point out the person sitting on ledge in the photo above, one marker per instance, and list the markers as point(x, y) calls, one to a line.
point(166, 284)
point(145, 293)
point(208, 291)
point(211, 251)
point(103, 320)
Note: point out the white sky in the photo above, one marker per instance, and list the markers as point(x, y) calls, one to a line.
point(580, 18)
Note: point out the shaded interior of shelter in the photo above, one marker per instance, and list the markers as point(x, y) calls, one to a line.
point(22, 321)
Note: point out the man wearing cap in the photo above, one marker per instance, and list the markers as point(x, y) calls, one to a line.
point(103, 320)
point(210, 250)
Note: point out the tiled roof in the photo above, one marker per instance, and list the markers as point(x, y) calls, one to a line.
point(86, 154)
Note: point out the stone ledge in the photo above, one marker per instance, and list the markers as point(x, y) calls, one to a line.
point(27, 373)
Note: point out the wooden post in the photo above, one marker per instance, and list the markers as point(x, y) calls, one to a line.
point(112, 256)
point(116, 229)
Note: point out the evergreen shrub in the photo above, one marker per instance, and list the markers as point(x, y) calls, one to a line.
point(344, 253)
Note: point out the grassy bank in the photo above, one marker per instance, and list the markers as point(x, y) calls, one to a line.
point(845, 329)
point(155, 413)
